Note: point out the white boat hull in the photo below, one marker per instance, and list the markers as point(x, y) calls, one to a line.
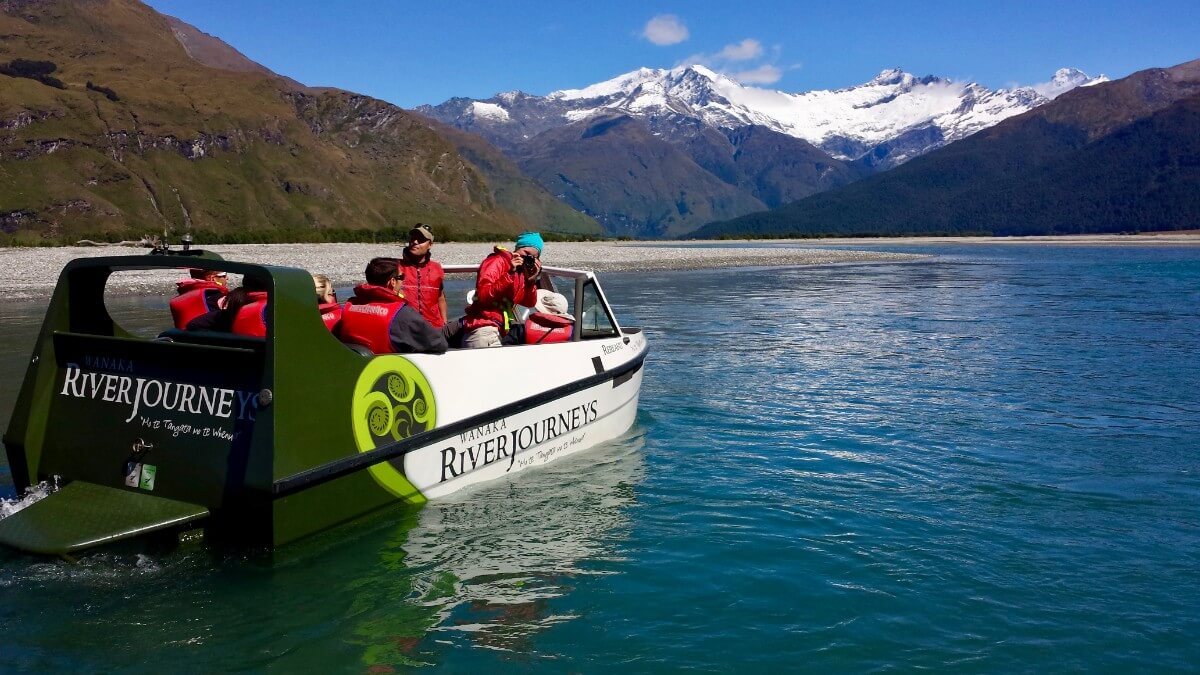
point(513, 408)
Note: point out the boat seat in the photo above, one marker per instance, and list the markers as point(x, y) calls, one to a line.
point(205, 337)
point(361, 350)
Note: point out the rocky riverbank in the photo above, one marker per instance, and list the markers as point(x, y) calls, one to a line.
point(27, 273)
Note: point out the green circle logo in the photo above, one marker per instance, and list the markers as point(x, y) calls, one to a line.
point(392, 401)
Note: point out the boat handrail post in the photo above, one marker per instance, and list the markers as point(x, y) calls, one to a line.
point(578, 332)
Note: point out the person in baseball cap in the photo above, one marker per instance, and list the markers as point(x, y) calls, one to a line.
point(424, 286)
point(425, 232)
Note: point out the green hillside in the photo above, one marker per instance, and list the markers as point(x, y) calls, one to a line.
point(129, 135)
point(513, 190)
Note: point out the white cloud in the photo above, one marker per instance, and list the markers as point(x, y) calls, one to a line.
point(742, 51)
point(735, 61)
point(764, 74)
point(665, 29)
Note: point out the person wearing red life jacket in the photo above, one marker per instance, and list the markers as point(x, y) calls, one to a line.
point(204, 292)
point(504, 279)
point(549, 321)
point(423, 277)
point(331, 309)
point(251, 318)
point(378, 317)
point(244, 312)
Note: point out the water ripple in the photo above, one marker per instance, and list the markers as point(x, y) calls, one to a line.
point(983, 462)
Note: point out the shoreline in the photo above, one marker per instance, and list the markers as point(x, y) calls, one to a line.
point(28, 273)
point(1174, 238)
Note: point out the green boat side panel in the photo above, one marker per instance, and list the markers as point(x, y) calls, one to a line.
point(313, 376)
point(27, 426)
point(327, 505)
point(82, 515)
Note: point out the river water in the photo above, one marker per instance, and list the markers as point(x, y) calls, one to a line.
point(984, 461)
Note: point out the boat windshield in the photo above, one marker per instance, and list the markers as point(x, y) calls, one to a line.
point(596, 320)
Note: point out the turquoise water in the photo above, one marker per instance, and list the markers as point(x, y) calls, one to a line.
point(987, 461)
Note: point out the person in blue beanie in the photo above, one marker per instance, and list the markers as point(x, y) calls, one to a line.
point(529, 240)
point(505, 279)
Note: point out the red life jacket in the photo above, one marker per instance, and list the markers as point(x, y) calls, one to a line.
point(542, 328)
point(423, 288)
point(507, 288)
point(251, 318)
point(367, 318)
point(196, 297)
point(331, 314)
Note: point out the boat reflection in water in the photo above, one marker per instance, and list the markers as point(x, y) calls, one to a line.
point(481, 568)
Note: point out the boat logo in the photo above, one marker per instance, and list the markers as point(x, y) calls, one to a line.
point(392, 401)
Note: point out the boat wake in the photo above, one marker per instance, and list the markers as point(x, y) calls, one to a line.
point(32, 496)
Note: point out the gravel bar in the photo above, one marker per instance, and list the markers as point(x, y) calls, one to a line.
point(28, 273)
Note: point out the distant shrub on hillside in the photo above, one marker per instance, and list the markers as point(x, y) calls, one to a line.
point(108, 93)
point(30, 69)
point(33, 70)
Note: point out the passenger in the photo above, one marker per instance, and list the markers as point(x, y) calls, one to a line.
point(202, 293)
point(549, 322)
point(423, 277)
point(505, 279)
point(378, 318)
point(331, 310)
point(244, 312)
point(251, 318)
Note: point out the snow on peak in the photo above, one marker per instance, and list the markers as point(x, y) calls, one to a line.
point(617, 85)
point(890, 104)
point(845, 122)
point(703, 70)
point(1064, 80)
point(1066, 75)
point(489, 111)
point(890, 76)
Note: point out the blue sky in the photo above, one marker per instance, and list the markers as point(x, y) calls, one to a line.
point(410, 53)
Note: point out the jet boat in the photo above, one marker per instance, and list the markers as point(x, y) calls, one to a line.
point(261, 441)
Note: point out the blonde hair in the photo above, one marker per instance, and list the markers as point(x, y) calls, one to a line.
point(323, 286)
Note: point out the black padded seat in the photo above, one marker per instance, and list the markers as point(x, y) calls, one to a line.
point(216, 339)
point(361, 350)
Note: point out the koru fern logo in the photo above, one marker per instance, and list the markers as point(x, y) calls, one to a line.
point(392, 401)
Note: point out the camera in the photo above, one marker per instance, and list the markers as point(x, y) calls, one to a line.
point(528, 262)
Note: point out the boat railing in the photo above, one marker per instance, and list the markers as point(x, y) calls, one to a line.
point(581, 281)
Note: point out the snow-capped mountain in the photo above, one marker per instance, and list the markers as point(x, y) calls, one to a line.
point(886, 121)
point(1064, 80)
point(662, 152)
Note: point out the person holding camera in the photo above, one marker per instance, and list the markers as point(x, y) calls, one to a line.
point(505, 279)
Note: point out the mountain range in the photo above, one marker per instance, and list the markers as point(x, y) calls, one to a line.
point(662, 152)
point(1120, 156)
point(117, 121)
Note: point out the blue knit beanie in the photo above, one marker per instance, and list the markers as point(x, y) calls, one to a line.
point(530, 239)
